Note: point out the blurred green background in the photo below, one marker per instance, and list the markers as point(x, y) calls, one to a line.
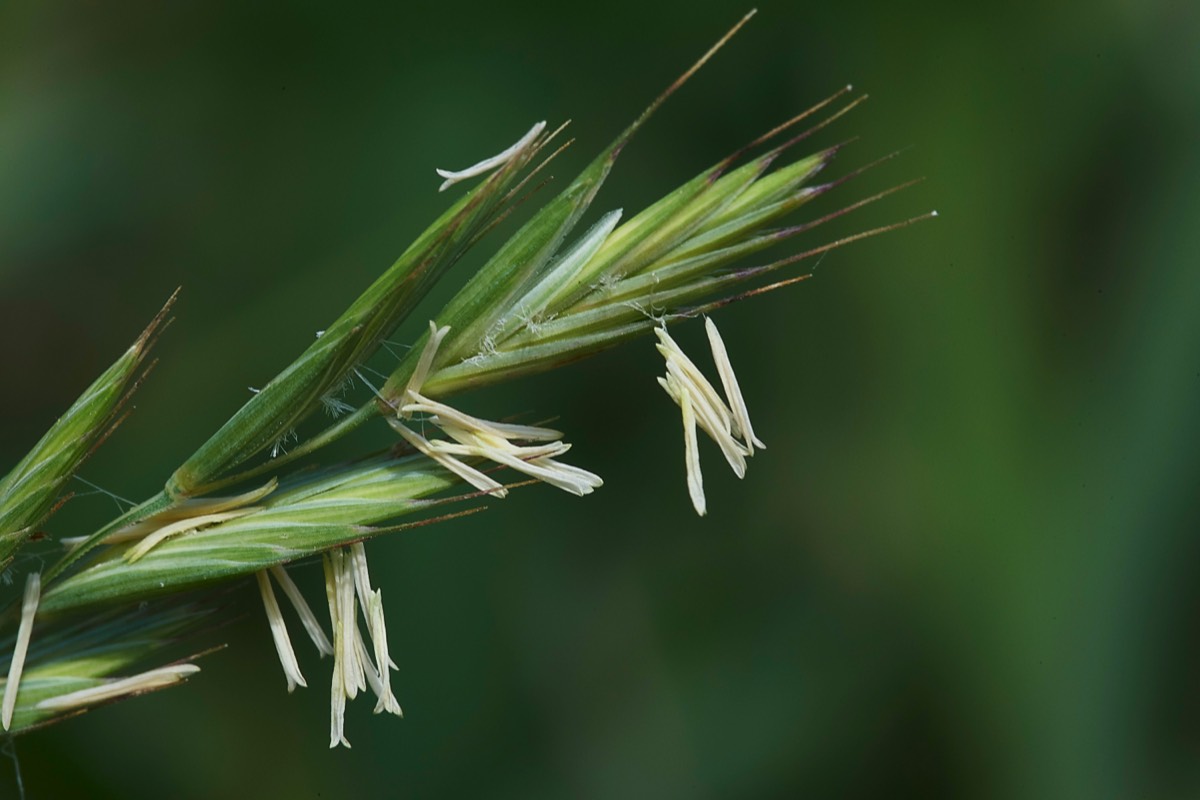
point(965, 567)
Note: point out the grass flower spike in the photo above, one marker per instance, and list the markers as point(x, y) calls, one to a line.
point(569, 282)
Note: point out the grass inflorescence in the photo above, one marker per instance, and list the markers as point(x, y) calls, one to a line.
point(96, 625)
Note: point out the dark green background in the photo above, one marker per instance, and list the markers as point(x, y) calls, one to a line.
point(965, 567)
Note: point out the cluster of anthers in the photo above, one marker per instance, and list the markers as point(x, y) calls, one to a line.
point(726, 421)
point(727, 424)
point(355, 665)
point(477, 439)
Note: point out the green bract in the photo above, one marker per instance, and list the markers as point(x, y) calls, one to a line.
point(301, 518)
point(29, 492)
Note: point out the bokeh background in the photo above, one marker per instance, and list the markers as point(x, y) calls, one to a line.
point(967, 565)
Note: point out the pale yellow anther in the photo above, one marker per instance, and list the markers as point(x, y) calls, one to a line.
point(421, 370)
point(179, 512)
point(111, 690)
point(337, 692)
point(307, 618)
point(691, 450)
point(733, 391)
point(283, 642)
point(29, 605)
point(488, 164)
point(465, 471)
point(353, 679)
point(150, 541)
